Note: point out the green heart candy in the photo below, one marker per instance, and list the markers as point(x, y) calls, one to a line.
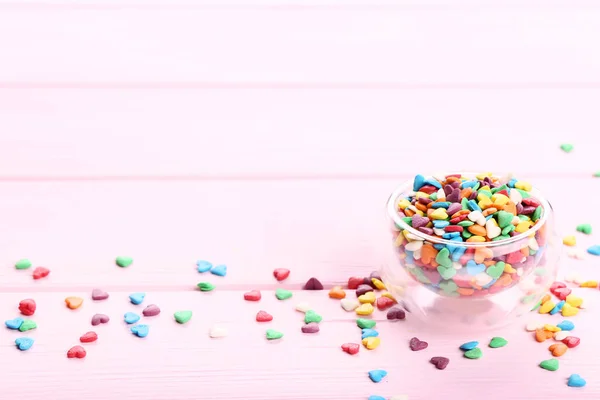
point(448, 286)
point(550, 365)
point(272, 334)
point(364, 323)
point(182, 316)
point(584, 228)
point(446, 273)
point(23, 264)
point(124, 262)
point(312, 316)
point(498, 342)
point(206, 286)
point(504, 219)
point(567, 147)
point(283, 294)
point(443, 258)
point(474, 354)
point(495, 270)
point(27, 325)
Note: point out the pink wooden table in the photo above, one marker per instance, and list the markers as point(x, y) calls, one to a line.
point(266, 134)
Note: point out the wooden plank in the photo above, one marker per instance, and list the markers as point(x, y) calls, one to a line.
point(422, 46)
point(294, 132)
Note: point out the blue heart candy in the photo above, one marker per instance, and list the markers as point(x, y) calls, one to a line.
point(369, 333)
point(419, 182)
point(377, 375)
point(131, 318)
point(458, 253)
point(24, 343)
point(566, 326)
point(219, 270)
point(473, 268)
point(203, 266)
point(576, 381)
point(469, 345)
point(137, 298)
point(140, 330)
point(14, 323)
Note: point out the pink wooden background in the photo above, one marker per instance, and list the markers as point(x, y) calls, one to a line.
point(261, 134)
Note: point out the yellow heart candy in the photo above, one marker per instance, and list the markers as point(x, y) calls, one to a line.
point(378, 284)
point(509, 269)
point(569, 240)
point(551, 328)
point(389, 295)
point(574, 300)
point(371, 342)
point(589, 284)
point(547, 307)
point(569, 311)
point(368, 297)
point(365, 309)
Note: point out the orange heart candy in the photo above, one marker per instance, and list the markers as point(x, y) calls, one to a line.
point(74, 302)
point(558, 349)
point(541, 335)
point(428, 253)
point(337, 293)
point(482, 253)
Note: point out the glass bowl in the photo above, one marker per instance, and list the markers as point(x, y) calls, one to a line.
point(473, 284)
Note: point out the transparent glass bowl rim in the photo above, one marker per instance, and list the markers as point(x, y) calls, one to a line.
point(406, 188)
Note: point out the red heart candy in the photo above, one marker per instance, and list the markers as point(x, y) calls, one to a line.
point(27, 307)
point(355, 281)
point(40, 272)
point(571, 341)
point(351, 348)
point(557, 285)
point(263, 316)
point(313, 284)
point(416, 344)
point(281, 274)
point(383, 303)
point(76, 352)
point(562, 293)
point(440, 362)
point(253, 295)
point(88, 337)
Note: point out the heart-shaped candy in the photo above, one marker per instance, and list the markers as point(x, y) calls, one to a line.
point(576, 381)
point(272, 334)
point(569, 311)
point(474, 354)
point(311, 327)
point(571, 341)
point(253, 295)
point(533, 326)
point(312, 316)
point(137, 298)
point(560, 336)
point(416, 344)
point(182, 316)
point(131, 318)
point(446, 273)
point(40, 272)
point(281, 274)
point(203, 266)
point(498, 342)
point(283, 294)
point(219, 270)
point(364, 323)
point(354, 282)
point(24, 343)
point(562, 293)
point(377, 375)
point(371, 342)
point(88, 337)
point(542, 335)
point(566, 147)
point(313, 284)
point(368, 297)
point(369, 333)
point(349, 304)
point(140, 330)
point(151, 311)
point(492, 229)
point(27, 307)
point(574, 300)
point(365, 309)
point(495, 270)
point(442, 258)
point(469, 345)
point(98, 294)
point(362, 289)
point(337, 292)
point(440, 362)
point(124, 262)
point(23, 264)
point(351, 348)
point(27, 325)
point(73, 302)
point(473, 268)
point(395, 313)
point(263, 316)
point(558, 349)
point(76, 352)
point(217, 332)
point(14, 323)
point(303, 307)
point(98, 319)
point(550, 365)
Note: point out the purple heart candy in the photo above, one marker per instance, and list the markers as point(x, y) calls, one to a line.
point(311, 327)
point(98, 319)
point(416, 344)
point(362, 289)
point(151, 310)
point(418, 221)
point(98, 294)
point(395, 313)
point(440, 362)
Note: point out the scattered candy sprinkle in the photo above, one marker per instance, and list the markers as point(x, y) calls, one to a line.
point(313, 284)
point(253, 295)
point(182, 316)
point(369, 333)
point(354, 282)
point(40, 272)
point(337, 293)
point(365, 309)
point(219, 270)
point(99, 294)
point(124, 262)
point(24, 343)
point(379, 285)
point(98, 319)
point(27, 325)
point(203, 266)
point(263, 316)
point(281, 274)
point(589, 284)
point(566, 325)
point(137, 298)
point(440, 362)
point(469, 345)
point(205, 286)
point(131, 318)
point(217, 331)
point(349, 304)
point(569, 240)
point(151, 311)
point(140, 331)
point(272, 334)
point(576, 381)
point(550, 365)
point(311, 327)
point(73, 302)
point(27, 307)
point(364, 323)
point(594, 250)
point(377, 375)
point(576, 253)
point(383, 303)
point(23, 264)
point(14, 323)
point(371, 342)
point(283, 294)
point(395, 313)
point(584, 228)
point(474, 354)
point(558, 349)
point(76, 352)
point(571, 341)
point(88, 337)
point(416, 344)
point(351, 348)
point(303, 307)
point(312, 316)
point(368, 297)
point(567, 147)
point(362, 289)
point(597, 174)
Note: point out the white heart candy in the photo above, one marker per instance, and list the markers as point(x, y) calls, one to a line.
point(576, 253)
point(303, 307)
point(414, 245)
point(492, 229)
point(560, 335)
point(533, 326)
point(217, 332)
point(515, 196)
point(349, 304)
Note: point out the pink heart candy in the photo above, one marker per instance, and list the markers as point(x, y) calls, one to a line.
point(151, 311)
point(98, 294)
point(440, 362)
point(98, 319)
point(416, 344)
